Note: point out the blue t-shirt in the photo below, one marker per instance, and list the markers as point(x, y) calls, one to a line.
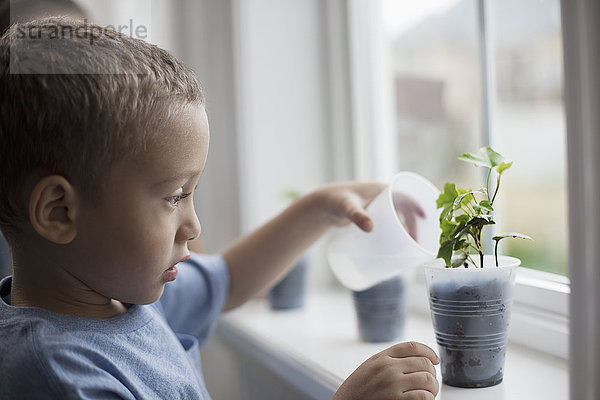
point(150, 352)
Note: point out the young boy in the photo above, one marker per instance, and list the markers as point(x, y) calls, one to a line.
point(97, 175)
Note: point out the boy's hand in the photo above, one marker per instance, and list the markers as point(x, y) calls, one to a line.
point(346, 202)
point(404, 371)
point(262, 257)
point(408, 211)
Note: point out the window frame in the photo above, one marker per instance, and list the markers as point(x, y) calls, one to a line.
point(540, 314)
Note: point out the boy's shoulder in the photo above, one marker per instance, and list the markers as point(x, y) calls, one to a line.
point(45, 359)
point(28, 347)
point(134, 355)
point(48, 355)
point(42, 359)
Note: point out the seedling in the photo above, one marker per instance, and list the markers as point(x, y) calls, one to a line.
point(466, 212)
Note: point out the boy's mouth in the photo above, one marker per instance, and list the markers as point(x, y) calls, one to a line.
point(171, 273)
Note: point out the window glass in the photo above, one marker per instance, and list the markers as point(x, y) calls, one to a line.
point(436, 80)
point(529, 126)
point(436, 69)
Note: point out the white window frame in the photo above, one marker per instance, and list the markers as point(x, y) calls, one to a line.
point(581, 38)
point(540, 315)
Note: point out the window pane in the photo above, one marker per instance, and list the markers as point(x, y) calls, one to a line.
point(529, 127)
point(436, 76)
point(436, 67)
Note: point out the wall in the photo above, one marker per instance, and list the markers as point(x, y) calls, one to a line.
point(263, 65)
point(282, 128)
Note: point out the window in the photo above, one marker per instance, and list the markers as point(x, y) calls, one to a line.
point(435, 78)
point(529, 124)
point(468, 73)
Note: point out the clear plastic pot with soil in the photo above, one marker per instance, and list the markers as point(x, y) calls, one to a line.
point(289, 293)
point(470, 309)
point(381, 309)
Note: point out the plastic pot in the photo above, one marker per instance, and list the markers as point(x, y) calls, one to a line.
point(381, 309)
point(470, 310)
point(289, 293)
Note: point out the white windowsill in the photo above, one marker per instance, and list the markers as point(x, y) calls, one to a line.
point(315, 348)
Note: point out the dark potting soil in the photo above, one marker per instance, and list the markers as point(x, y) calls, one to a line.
point(381, 310)
point(471, 335)
point(289, 293)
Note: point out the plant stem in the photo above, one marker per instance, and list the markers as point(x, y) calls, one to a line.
point(474, 248)
point(469, 210)
point(496, 191)
point(477, 240)
point(472, 262)
point(496, 252)
point(487, 185)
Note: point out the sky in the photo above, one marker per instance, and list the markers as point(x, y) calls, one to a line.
point(400, 15)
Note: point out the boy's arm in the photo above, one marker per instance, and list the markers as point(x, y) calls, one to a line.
point(263, 256)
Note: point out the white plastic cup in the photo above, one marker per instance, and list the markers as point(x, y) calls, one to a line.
point(470, 311)
point(361, 260)
point(381, 309)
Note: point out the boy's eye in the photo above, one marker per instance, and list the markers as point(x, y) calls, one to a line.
point(173, 200)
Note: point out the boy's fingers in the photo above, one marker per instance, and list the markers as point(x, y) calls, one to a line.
point(422, 381)
point(416, 364)
point(411, 225)
point(353, 211)
point(408, 211)
point(417, 395)
point(362, 220)
point(412, 349)
point(372, 189)
point(418, 210)
point(405, 203)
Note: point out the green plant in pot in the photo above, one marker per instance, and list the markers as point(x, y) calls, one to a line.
point(470, 293)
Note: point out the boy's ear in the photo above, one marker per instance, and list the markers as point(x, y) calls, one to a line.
point(52, 209)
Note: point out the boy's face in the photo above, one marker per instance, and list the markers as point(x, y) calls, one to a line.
point(125, 245)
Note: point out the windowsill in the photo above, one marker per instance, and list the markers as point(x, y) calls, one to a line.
point(315, 348)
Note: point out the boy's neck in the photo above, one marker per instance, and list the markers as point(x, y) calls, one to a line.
point(57, 291)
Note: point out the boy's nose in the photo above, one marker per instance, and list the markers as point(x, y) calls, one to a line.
point(190, 228)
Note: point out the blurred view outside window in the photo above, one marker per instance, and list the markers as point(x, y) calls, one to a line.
point(436, 63)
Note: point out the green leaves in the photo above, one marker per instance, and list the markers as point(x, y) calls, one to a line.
point(483, 206)
point(466, 198)
point(459, 260)
point(445, 252)
point(446, 201)
point(466, 212)
point(485, 157)
point(503, 167)
point(460, 234)
point(514, 235)
point(447, 196)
